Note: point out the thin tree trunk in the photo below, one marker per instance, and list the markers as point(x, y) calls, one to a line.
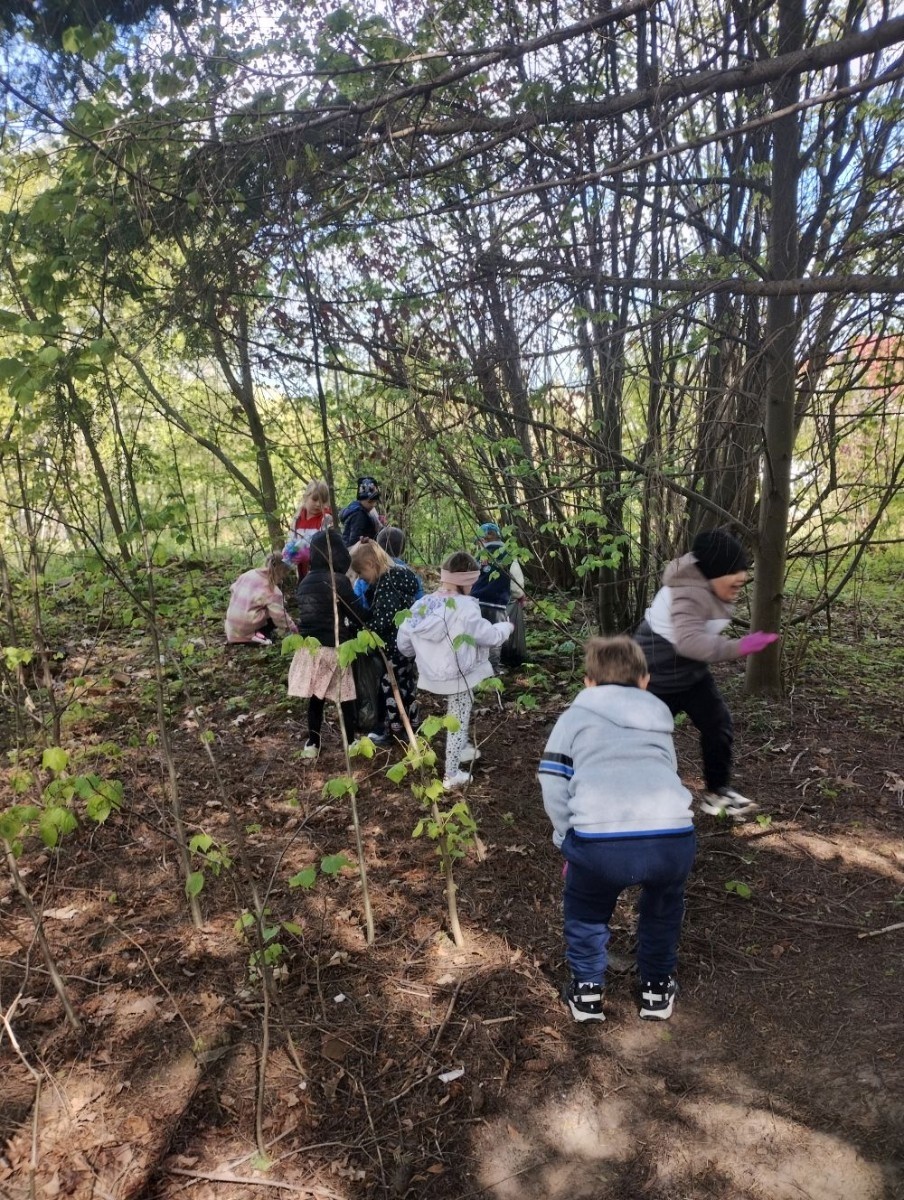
point(764, 670)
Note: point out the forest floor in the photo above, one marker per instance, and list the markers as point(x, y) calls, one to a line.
point(778, 1078)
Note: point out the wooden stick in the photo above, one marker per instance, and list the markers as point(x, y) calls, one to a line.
point(886, 929)
point(228, 1177)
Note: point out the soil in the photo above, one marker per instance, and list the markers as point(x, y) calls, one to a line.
point(416, 1068)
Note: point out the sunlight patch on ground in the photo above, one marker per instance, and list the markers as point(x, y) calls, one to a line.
point(575, 1144)
point(765, 1156)
point(846, 855)
point(567, 1147)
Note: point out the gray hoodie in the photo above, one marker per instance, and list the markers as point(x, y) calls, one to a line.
point(609, 768)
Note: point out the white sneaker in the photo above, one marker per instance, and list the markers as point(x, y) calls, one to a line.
point(310, 752)
point(726, 802)
point(459, 779)
point(469, 754)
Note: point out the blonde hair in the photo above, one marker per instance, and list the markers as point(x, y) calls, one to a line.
point(614, 660)
point(316, 490)
point(371, 555)
point(277, 571)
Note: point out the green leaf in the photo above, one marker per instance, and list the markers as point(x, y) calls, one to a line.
point(363, 748)
point(55, 759)
point(332, 864)
point(194, 884)
point(293, 927)
point(305, 878)
point(342, 785)
point(397, 772)
point(418, 829)
point(200, 843)
point(431, 727)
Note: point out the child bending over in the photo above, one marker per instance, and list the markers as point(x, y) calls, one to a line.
point(620, 816)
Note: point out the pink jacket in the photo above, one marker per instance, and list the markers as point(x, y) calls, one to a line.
point(252, 600)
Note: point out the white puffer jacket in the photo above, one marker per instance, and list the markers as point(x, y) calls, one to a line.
point(451, 642)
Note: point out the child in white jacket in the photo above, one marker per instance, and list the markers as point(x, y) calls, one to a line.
point(451, 642)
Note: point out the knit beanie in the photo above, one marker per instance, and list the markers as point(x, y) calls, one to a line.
point(367, 488)
point(718, 553)
point(490, 529)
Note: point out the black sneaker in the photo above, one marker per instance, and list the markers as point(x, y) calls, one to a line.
point(585, 1001)
point(657, 999)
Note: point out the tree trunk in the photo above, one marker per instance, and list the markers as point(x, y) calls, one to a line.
point(764, 670)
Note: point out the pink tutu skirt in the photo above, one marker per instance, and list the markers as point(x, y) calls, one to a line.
point(319, 674)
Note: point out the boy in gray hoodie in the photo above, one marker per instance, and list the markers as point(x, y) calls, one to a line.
point(620, 816)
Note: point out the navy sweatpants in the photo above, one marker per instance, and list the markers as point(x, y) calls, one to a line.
point(598, 871)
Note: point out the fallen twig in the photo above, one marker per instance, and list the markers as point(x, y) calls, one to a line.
point(885, 929)
point(445, 1020)
point(228, 1177)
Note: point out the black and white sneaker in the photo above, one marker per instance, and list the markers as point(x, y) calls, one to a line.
point(726, 802)
point(657, 999)
point(585, 1001)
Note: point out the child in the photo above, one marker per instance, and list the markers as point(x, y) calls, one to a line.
point(312, 515)
point(359, 519)
point(680, 636)
point(257, 606)
point(620, 816)
point(450, 664)
point(390, 589)
point(392, 540)
point(493, 589)
point(318, 676)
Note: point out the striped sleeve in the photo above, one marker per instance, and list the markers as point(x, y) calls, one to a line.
point(555, 774)
point(556, 764)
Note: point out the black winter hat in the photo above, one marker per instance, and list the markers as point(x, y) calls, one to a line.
point(718, 553)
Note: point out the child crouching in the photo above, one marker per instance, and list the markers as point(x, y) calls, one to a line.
point(451, 642)
point(621, 816)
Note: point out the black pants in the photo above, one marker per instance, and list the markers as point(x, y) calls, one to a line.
point(315, 719)
point(704, 705)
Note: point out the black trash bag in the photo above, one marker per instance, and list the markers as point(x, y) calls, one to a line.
point(368, 670)
point(514, 651)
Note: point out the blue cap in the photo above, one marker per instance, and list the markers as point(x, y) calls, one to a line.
point(489, 528)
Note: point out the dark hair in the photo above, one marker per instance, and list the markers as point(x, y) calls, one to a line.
point(392, 540)
point(460, 560)
point(614, 660)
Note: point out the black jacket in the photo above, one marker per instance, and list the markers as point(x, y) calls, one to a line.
point(358, 522)
point(315, 593)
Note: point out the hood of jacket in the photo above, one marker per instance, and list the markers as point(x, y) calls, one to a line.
point(430, 617)
point(684, 572)
point(627, 707)
point(338, 551)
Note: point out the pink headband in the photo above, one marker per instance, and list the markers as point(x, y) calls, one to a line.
point(459, 578)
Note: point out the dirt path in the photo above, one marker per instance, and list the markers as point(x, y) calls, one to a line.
point(779, 1077)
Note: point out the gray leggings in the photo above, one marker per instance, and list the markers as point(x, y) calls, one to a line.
point(460, 704)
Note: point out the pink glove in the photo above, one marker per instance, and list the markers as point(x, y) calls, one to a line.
point(753, 643)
